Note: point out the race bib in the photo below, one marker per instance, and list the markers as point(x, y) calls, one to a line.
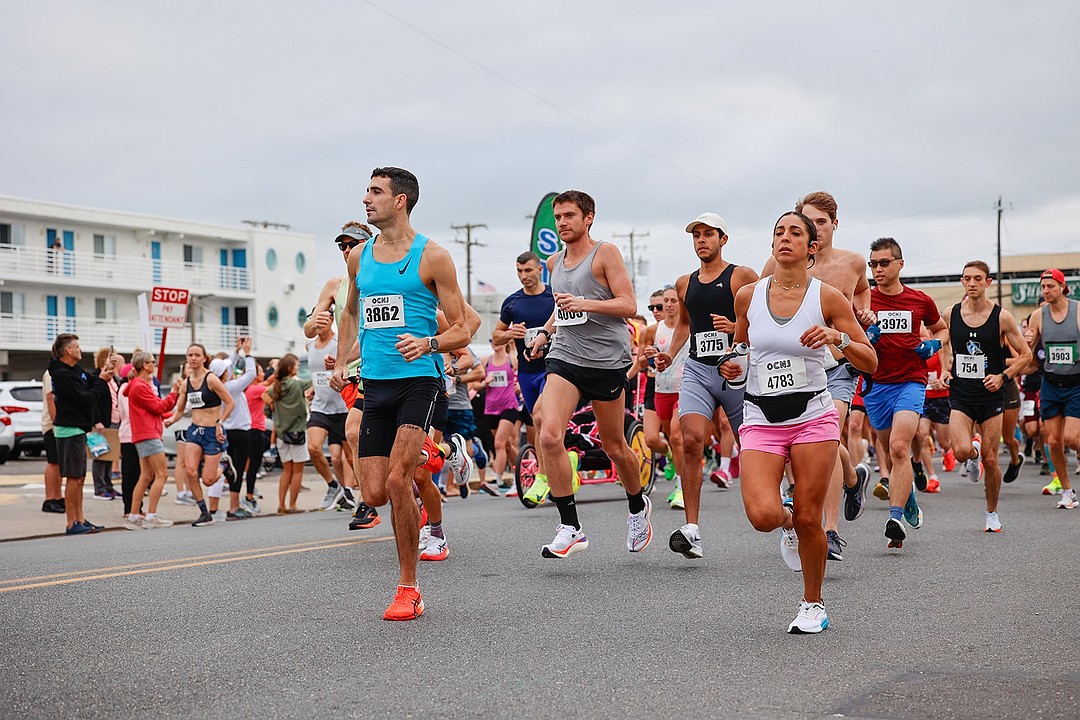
point(195, 399)
point(712, 343)
point(498, 378)
point(781, 375)
point(321, 378)
point(384, 311)
point(449, 384)
point(1060, 354)
point(531, 333)
point(972, 367)
point(564, 318)
point(894, 321)
point(1027, 408)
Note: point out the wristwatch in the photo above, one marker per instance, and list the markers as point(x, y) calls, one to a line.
point(433, 344)
point(845, 340)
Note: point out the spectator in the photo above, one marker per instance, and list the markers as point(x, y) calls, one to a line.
point(129, 456)
point(253, 393)
point(76, 394)
point(108, 415)
point(147, 426)
point(54, 493)
point(290, 421)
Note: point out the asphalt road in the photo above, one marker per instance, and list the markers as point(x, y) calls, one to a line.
point(282, 616)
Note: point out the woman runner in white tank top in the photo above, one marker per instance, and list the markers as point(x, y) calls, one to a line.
point(788, 319)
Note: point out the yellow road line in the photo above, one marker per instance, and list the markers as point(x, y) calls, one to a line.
point(105, 573)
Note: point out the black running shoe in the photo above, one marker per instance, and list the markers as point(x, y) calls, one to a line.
point(52, 506)
point(919, 476)
point(855, 497)
point(894, 530)
point(365, 517)
point(204, 518)
point(1012, 471)
point(836, 545)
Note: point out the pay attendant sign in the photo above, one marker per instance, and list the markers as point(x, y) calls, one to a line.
point(168, 307)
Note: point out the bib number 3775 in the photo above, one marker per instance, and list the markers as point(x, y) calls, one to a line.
point(384, 311)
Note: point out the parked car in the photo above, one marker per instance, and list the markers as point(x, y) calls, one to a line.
point(7, 437)
point(22, 399)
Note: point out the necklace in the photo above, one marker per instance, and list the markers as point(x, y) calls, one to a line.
point(796, 286)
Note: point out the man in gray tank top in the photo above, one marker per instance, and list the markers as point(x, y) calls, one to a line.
point(588, 360)
point(1057, 328)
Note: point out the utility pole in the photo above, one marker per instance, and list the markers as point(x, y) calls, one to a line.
point(633, 260)
point(469, 245)
point(1000, 275)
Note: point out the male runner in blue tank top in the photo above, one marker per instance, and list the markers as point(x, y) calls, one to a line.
point(393, 296)
point(589, 358)
point(706, 320)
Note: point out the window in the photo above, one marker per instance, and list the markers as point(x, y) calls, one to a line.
point(11, 234)
point(193, 254)
point(104, 309)
point(272, 315)
point(301, 262)
point(271, 259)
point(12, 303)
point(104, 245)
point(240, 315)
point(301, 317)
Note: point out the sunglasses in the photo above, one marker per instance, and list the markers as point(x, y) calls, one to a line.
point(883, 263)
point(656, 308)
point(343, 246)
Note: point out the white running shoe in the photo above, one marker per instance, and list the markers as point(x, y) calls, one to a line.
point(811, 619)
point(686, 541)
point(151, 523)
point(133, 522)
point(425, 536)
point(330, 499)
point(568, 540)
point(789, 549)
point(1068, 500)
point(219, 516)
point(436, 549)
point(460, 462)
point(184, 498)
point(993, 524)
point(639, 532)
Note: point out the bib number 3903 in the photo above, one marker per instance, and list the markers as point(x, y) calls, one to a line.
point(384, 311)
point(1060, 354)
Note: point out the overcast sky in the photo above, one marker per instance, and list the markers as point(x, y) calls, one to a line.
point(916, 116)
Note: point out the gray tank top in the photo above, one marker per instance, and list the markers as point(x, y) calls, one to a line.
point(1060, 341)
point(585, 339)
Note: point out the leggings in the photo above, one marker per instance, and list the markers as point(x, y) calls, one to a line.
point(256, 448)
point(129, 473)
point(238, 453)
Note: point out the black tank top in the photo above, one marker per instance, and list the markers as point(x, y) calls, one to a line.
point(976, 352)
point(703, 301)
point(204, 397)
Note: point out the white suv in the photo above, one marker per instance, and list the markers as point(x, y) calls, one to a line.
point(21, 399)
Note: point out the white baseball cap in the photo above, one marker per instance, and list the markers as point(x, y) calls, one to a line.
point(218, 366)
point(711, 219)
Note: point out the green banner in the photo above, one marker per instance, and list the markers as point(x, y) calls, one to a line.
point(544, 240)
point(1029, 292)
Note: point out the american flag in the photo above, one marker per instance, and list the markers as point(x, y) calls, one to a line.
point(485, 287)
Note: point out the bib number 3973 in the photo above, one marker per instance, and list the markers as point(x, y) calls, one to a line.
point(894, 321)
point(710, 344)
point(384, 311)
point(564, 318)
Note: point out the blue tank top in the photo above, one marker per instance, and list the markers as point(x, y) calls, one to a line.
point(394, 301)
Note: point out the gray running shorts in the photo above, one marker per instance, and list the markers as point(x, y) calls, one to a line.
point(703, 391)
point(842, 380)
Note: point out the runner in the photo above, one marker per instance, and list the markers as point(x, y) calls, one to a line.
point(522, 315)
point(238, 425)
point(787, 318)
point(392, 299)
point(588, 360)
point(934, 423)
point(845, 271)
point(661, 418)
point(327, 420)
point(895, 400)
point(502, 407)
point(707, 320)
point(1056, 331)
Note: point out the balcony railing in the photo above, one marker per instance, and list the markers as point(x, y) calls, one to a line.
point(18, 262)
point(37, 332)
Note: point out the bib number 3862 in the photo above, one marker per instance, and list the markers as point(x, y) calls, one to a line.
point(384, 311)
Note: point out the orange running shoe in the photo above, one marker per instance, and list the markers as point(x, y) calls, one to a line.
point(434, 456)
point(948, 460)
point(932, 485)
point(407, 605)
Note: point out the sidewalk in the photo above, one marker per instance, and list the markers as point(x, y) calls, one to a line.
point(21, 497)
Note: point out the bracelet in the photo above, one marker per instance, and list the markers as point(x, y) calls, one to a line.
point(545, 331)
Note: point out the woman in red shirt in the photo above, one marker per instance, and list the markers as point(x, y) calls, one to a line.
point(147, 411)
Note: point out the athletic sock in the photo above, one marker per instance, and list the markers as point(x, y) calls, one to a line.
point(725, 464)
point(202, 506)
point(333, 485)
point(567, 511)
point(635, 502)
point(896, 513)
point(692, 528)
point(436, 530)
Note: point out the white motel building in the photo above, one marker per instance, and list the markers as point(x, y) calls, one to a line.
point(65, 268)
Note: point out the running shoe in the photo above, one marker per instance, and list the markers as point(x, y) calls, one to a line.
point(1053, 488)
point(789, 549)
point(425, 537)
point(568, 540)
point(511, 490)
point(219, 516)
point(133, 522)
point(184, 498)
point(52, 506)
point(676, 499)
point(1044, 469)
point(538, 491)
point(721, 479)
point(918, 476)
point(836, 545)
point(855, 497)
point(881, 490)
point(575, 462)
point(250, 504)
point(407, 605)
point(639, 528)
point(687, 542)
point(963, 469)
point(811, 619)
point(460, 462)
point(93, 528)
point(669, 466)
point(948, 460)
point(932, 485)
point(78, 528)
point(204, 518)
point(151, 523)
point(1068, 500)
point(1012, 471)
point(479, 455)
point(238, 514)
point(491, 488)
point(894, 530)
point(913, 514)
point(104, 495)
point(330, 499)
point(347, 501)
point(364, 517)
point(436, 549)
point(735, 466)
point(993, 524)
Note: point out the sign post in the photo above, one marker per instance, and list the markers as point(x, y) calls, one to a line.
point(168, 308)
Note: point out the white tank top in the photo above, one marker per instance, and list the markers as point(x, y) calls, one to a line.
point(669, 380)
point(779, 364)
